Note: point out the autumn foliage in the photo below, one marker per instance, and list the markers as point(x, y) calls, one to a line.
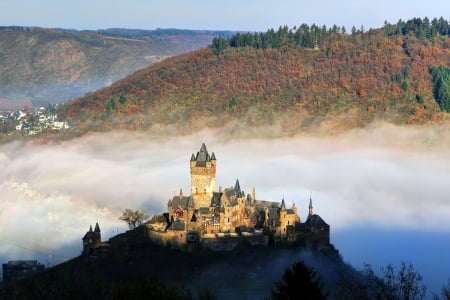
point(378, 74)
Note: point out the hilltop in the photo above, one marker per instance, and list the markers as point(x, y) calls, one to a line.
point(41, 65)
point(134, 266)
point(301, 79)
point(289, 81)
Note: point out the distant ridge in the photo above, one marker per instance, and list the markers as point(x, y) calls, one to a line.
point(53, 65)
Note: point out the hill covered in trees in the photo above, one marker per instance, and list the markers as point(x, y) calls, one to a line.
point(41, 66)
point(307, 78)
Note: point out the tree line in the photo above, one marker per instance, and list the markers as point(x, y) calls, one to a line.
point(315, 36)
point(421, 28)
point(304, 36)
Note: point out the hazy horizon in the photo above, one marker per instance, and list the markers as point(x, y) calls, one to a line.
point(214, 15)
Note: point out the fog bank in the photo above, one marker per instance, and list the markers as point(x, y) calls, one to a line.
point(384, 176)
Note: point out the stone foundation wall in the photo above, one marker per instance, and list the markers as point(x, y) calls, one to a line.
point(177, 240)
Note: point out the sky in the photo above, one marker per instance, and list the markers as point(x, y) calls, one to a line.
point(248, 15)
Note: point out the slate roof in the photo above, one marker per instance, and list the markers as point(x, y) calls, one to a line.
point(234, 193)
point(273, 213)
point(215, 200)
point(202, 156)
point(204, 211)
point(231, 195)
point(182, 202)
point(315, 221)
point(178, 225)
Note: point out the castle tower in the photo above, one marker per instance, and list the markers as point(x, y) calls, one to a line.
point(203, 177)
point(91, 239)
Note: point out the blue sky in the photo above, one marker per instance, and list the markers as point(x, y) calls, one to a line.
point(248, 15)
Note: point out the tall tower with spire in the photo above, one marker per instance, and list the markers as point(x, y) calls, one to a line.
point(203, 177)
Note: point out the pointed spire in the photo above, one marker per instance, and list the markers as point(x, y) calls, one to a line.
point(90, 228)
point(192, 157)
point(237, 186)
point(283, 205)
point(310, 209)
point(202, 155)
point(97, 228)
point(213, 156)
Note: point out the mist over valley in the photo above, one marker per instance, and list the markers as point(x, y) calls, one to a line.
point(384, 184)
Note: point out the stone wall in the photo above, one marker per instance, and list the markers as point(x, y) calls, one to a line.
point(177, 240)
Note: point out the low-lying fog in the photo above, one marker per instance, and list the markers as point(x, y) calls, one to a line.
point(387, 178)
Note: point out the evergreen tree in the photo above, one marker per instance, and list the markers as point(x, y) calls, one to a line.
point(441, 86)
point(298, 282)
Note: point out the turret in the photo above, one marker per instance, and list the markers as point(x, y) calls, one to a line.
point(91, 239)
point(310, 208)
point(237, 188)
point(283, 205)
point(97, 228)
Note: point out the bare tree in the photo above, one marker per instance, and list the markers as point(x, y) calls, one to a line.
point(406, 284)
point(133, 218)
point(445, 292)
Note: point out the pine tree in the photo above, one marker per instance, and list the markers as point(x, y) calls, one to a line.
point(298, 282)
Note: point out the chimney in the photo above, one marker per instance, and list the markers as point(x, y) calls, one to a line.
point(220, 189)
point(181, 193)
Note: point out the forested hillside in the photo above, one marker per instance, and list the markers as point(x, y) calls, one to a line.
point(300, 79)
point(41, 66)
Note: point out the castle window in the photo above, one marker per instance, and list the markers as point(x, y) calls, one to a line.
point(204, 190)
point(228, 220)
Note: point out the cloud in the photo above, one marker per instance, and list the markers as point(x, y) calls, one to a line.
point(384, 175)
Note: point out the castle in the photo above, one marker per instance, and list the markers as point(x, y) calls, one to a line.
point(230, 211)
point(221, 219)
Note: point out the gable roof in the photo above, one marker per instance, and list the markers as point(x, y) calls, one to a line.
point(315, 221)
point(182, 202)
